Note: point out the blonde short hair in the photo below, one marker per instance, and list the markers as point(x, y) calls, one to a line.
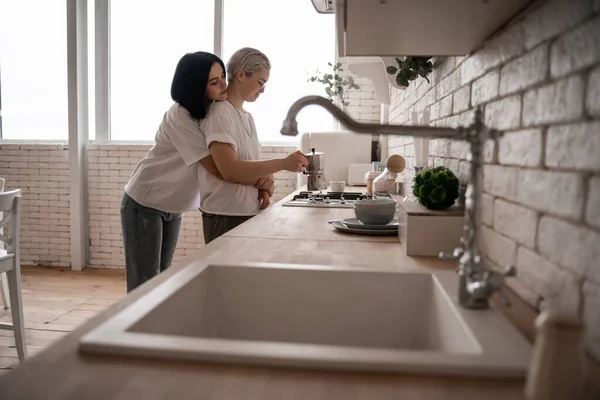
point(248, 60)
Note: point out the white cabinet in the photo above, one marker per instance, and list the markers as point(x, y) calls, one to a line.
point(419, 27)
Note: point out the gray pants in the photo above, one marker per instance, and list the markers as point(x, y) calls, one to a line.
point(149, 239)
point(214, 225)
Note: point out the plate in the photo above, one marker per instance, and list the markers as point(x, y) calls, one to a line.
point(339, 225)
point(356, 224)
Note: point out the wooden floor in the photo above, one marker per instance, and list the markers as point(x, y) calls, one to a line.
point(57, 300)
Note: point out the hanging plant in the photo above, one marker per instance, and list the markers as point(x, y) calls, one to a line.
point(335, 85)
point(410, 68)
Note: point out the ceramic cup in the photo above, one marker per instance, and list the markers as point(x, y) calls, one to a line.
point(337, 186)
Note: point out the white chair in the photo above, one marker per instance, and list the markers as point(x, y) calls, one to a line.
point(3, 280)
point(10, 263)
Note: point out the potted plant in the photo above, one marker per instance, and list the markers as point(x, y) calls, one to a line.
point(409, 69)
point(335, 85)
point(436, 188)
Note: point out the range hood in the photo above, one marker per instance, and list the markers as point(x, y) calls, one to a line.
point(324, 6)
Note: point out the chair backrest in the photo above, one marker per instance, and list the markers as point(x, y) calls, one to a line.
point(10, 206)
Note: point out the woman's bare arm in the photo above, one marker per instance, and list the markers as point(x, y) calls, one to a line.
point(209, 164)
point(234, 169)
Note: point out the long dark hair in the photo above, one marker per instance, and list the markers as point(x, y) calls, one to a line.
point(190, 80)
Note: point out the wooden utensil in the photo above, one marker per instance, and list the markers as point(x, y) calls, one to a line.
point(395, 163)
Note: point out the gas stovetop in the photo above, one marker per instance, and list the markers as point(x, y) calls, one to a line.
point(330, 199)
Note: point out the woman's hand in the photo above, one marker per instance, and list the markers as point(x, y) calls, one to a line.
point(295, 162)
point(267, 183)
point(265, 198)
point(271, 189)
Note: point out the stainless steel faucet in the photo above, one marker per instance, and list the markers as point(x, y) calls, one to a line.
point(477, 283)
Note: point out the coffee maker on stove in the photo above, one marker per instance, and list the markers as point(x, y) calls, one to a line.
point(315, 179)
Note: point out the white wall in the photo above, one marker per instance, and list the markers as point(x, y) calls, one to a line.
point(539, 80)
point(364, 105)
point(41, 172)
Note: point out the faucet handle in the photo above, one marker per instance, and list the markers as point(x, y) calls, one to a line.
point(496, 278)
point(510, 270)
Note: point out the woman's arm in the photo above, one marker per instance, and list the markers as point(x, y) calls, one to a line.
point(233, 169)
point(209, 164)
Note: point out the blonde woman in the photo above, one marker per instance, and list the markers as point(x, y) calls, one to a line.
point(232, 139)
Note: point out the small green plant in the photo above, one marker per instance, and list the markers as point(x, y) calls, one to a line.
point(410, 68)
point(437, 188)
point(335, 85)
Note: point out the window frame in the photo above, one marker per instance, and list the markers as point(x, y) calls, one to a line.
point(101, 80)
point(102, 67)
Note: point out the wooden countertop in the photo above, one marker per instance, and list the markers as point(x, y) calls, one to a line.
point(61, 372)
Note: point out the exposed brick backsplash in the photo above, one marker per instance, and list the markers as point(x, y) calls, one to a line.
point(539, 80)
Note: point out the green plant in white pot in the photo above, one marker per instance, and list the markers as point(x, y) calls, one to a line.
point(436, 188)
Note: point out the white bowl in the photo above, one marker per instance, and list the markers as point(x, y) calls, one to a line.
point(375, 203)
point(375, 215)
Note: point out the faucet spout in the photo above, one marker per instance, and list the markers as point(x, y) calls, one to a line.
point(290, 126)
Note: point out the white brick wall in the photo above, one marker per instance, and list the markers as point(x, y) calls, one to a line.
point(363, 106)
point(539, 80)
point(109, 168)
point(42, 174)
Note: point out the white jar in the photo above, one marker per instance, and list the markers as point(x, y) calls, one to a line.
point(386, 182)
point(369, 178)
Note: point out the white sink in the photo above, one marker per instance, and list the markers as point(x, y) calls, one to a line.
point(315, 317)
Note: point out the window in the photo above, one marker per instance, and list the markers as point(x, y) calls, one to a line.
point(91, 35)
point(33, 69)
point(298, 41)
point(147, 40)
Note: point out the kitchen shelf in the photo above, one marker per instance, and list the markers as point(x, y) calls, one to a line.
point(419, 27)
point(372, 68)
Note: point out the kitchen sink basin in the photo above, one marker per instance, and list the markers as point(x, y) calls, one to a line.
point(314, 317)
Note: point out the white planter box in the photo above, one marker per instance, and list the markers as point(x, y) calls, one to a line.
point(426, 232)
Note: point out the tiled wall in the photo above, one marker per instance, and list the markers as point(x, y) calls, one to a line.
point(539, 80)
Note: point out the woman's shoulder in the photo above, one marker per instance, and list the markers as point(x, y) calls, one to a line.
point(177, 111)
point(178, 115)
point(220, 109)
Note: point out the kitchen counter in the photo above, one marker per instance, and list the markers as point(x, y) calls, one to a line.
point(279, 234)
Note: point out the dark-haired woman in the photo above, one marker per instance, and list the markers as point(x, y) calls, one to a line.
point(165, 184)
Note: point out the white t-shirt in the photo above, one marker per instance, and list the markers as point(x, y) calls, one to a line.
point(227, 124)
point(167, 179)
